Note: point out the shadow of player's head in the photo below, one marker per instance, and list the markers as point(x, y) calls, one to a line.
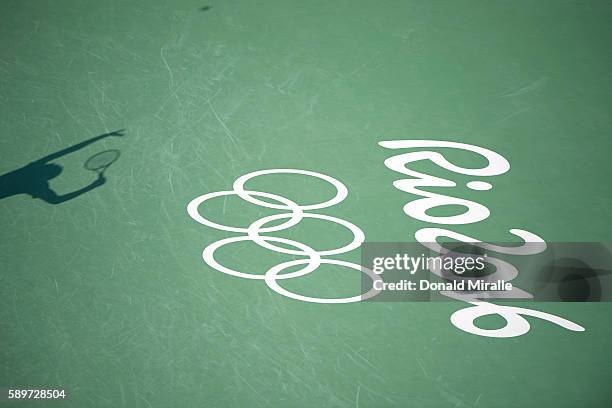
point(50, 170)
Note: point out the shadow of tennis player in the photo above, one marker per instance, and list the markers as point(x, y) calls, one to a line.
point(33, 178)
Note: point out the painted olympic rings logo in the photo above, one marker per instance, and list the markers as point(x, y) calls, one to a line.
point(293, 213)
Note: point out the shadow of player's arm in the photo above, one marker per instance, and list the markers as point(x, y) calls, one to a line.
point(77, 146)
point(51, 197)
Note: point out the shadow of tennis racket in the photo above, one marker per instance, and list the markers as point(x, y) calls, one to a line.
point(99, 162)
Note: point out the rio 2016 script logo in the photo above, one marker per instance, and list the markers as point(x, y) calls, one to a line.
point(293, 213)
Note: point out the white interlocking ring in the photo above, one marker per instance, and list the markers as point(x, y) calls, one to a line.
point(255, 228)
point(294, 214)
point(273, 274)
point(209, 257)
point(192, 209)
point(341, 190)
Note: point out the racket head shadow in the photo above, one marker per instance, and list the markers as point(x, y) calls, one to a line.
point(100, 161)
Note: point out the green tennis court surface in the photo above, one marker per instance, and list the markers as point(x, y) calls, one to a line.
point(105, 293)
